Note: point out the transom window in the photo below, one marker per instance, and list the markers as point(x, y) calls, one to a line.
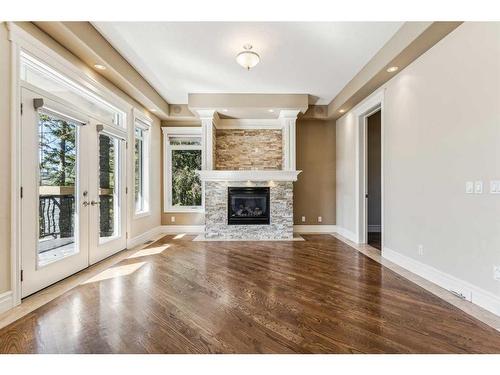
point(183, 158)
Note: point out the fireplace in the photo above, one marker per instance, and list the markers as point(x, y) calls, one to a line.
point(248, 205)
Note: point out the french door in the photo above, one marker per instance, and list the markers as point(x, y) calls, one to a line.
point(73, 191)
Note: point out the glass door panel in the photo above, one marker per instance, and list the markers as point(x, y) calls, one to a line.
point(109, 187)
point(58, 181)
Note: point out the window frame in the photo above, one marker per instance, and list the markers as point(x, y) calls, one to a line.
point(186, 132)
point(144, 125)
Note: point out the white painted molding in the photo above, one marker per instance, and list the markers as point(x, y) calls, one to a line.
point(315, 228)
point(470, 292)
point(144, 237)
point(351, 236)
point(288, 120)
point(181, 130)
point(248, 124)
point(248, 175)
point(374, 228)
point(178, 229)
point(6, 301)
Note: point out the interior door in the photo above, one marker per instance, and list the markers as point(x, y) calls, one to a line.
point(107, 193)
point(55, 198)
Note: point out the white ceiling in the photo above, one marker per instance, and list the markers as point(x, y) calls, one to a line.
point(315, 58)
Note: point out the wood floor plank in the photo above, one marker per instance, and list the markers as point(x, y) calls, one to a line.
point(313, 296)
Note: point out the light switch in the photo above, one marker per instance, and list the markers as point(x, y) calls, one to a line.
point(303, 219)
point(478, 187)
point(469, 187)
point(172, 219)
point(495, 187)
point(320, 219)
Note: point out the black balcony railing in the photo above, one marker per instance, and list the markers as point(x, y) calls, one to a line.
point(56, 216)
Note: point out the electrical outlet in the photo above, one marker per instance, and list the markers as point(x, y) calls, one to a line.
point(469, 187)
point(496, 272)
point(420, 250)
point(320, 219)
point(478, 187)
point(303, 219)
point(495, 187)
point(172, 219)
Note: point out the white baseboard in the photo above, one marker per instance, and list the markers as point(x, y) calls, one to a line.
point(470, 292)
point(144, 237)
point(314, 228)
point(374, 228)
point(347, 234)
point(6, 301)
point(176, 229)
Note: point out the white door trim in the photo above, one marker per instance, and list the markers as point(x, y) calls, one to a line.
point(371, 105)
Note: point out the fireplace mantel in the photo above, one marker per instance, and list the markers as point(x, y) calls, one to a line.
point(248, 175)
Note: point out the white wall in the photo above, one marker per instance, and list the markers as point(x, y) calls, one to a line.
point(441, 128)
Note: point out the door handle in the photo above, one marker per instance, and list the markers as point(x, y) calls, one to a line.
point(95, 203)
point(85, 203)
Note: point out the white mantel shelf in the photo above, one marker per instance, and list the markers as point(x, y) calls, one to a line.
point(248, 175)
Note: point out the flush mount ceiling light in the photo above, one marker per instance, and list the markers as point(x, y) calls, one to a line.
point(247, 58)
point(99, 67)
point(341, 110)
point(392, 69)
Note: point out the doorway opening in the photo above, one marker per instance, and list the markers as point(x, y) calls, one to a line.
point(374, 180)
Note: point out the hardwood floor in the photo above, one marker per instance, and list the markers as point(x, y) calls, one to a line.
point(315, 296)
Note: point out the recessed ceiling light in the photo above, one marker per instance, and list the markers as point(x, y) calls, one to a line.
point(224, 110)
point(99, 67)
point(271, 110)
point(152, 109)
point(247, 59)
point(392, 69)
point(341, 110)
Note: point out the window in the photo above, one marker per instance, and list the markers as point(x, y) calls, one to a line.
point(41, 75)
point(183, 157)
point(141, 167)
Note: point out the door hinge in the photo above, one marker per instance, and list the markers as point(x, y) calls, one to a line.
point(126, 190)
point(21, 109)
point(21, 192)
point(22, 275)
point(126, 235)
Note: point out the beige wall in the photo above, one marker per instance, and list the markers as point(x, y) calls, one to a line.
point(441, 128)
point(314, 191)
point(246, 149)
point(4, 159)
point(373, 169)
point(136, 226)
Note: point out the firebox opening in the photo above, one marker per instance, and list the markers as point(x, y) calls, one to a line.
point(248, 205)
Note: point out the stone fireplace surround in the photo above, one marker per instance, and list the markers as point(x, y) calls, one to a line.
point(280, 181)
point(281, 204)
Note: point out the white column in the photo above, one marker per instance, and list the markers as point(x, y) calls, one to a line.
point(207, 118)
point(288, 119)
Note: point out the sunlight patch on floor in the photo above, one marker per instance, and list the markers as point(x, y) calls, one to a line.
point(114, 272)
point(149, 251)
point(179, 236)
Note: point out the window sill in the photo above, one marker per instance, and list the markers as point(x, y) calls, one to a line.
point(174, 210)
point(140, 215)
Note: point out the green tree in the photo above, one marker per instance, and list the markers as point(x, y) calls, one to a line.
point(57, 152)
point(186, 184)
